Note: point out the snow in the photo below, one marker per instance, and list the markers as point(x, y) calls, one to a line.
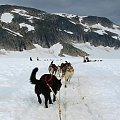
point(65, 15)
point(26, 25)
point(69, 15)
point(86, 29)
point(115, 37)
point(99, 52)
point(19, 11)
point(101, 32)
point(37, 52)
point(25, 14)
point(69, 32)
point(12, 32)
point(101, 29)
point(92, 94)
point(113, 30)
point(7, 17)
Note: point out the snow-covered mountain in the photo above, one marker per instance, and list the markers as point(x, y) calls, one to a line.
point(96, 24)
point(54, 51)
point(22, 27)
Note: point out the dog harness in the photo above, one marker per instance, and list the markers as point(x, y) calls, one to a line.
point(49, 81)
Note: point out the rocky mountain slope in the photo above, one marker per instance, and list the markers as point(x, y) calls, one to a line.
point(21, 27)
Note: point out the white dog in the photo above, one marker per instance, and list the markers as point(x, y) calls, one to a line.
point(68, 74)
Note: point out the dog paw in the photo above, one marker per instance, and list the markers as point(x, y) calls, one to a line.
point(40, 101)
point(50, 103)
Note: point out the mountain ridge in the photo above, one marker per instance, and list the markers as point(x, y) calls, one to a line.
point(30, 26)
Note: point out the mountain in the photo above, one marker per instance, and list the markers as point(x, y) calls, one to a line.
point(22, 27)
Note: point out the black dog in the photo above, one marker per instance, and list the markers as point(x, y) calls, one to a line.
point(41, 86)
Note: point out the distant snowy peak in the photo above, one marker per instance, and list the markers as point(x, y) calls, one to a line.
point(25, 13)
point(95, 24)
point(20, 11)
point(71, 17)
point(65, 15)
point(7, 17)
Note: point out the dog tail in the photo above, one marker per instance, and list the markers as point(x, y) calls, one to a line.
point(33, 79)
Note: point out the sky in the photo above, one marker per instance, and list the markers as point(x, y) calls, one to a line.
point(101, 8)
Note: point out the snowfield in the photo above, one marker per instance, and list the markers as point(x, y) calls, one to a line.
point(92, 94)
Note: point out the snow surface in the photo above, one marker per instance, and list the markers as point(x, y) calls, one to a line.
point(92, 94)
point(12, 32)
point(37, 52)
point(7, 17)
point(101, 32)
point(99, 52)
point(30, 27)
point(24, 13)
point(113, 30)
point(69, 32)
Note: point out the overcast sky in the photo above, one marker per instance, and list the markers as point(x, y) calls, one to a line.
point(101, 8)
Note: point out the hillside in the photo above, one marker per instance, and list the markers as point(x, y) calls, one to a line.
point(22, 27)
